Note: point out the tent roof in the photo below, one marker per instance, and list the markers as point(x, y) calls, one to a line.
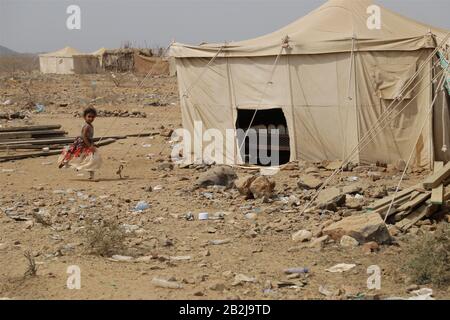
point(99, 52)
point(328, 29)
point(66, 52)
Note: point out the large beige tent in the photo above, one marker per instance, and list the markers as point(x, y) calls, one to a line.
point(332, 77)
point(68, 61)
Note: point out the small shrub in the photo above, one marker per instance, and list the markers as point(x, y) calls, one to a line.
point(429, 258)
point(31, 265)
point(105, 238)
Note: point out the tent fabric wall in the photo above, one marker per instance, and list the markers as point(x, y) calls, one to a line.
point(58, 65)
point(143, 65)
point(379, 78)
point(85, 64)
point(319, 116)
point(327, 107)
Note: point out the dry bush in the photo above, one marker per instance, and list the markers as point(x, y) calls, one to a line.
point(429, 258)
point(31, 265)
point(105, 237)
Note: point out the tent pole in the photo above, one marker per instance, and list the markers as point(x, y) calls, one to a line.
point(292, 132)
point(232, 109)
point(357, 110)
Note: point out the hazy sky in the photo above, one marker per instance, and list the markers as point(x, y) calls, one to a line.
point(40, 25)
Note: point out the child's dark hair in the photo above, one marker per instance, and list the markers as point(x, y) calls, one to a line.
point(89, 110)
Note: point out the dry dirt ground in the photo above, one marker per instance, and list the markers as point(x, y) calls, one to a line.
point(260, 244)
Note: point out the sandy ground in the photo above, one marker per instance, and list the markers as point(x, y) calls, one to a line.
point(259, 248)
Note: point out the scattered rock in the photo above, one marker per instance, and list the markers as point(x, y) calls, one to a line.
point(363, 227)
point(218, 286)
point(330, 291)
point(165, 166)
point(302, 236)
point(354, 204)
point(333, 165)
point(348, 242)
point(243, 185)
point(309, 182)
point(219, 242)
point(217, 176)
point(162, 283)
point(394, 231)
point(370, 247)
point(378, 192)
point(242, 278)
point(333, 204)
point(120, 258)
point(312, 170)
point(341, 267)
point(374, 175)
point(412, 287)
point(262, 187)
point(318, 243)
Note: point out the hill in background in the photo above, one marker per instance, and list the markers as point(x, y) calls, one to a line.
point(4, 51)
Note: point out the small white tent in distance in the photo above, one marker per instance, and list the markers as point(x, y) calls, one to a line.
point(68, 61)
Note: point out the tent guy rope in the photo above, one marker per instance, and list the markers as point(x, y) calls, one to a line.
point(390, 109)
point(430, 109)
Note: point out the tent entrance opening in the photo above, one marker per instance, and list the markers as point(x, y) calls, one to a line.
point(267, 141)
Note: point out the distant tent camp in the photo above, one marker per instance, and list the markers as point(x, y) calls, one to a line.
point(330, 82)
point(68, 61)
point(99, 54)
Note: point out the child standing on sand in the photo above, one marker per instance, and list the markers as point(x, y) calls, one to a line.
point(83, 154)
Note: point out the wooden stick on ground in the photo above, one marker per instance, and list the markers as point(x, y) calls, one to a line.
point(45, 154)
point(31, 128)
point(386, 200)
point(30, 134)
point(437, 177)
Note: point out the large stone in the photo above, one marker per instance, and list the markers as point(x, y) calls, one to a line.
point(332, 192)
point(354, 204)
point(319, 243)
point(255, 187)
point(309, 182)
point(262, 187)
point(377, 192)
point(333, 204)
point(364, 228)
point(312, 170)
point(243, 185)
point(302, 236)
point(218, 176)
point(334, 165)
